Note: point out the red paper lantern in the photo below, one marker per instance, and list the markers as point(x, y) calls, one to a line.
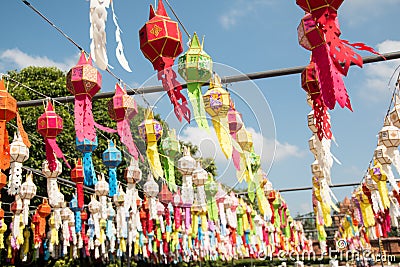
point(165, 195)
point(8, 111)
point(84, 81)
point(44, 209)
point(49, 125)
point(122, 108)
point(161, 43)
point(77, 176)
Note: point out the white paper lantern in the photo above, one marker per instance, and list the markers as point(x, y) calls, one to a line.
point(151, 188)
point(317, 170)
point(51, 174)
point(132, 173)
point(199, 175)
point(186, 164)
point(19, 152)
point(389, 135)
point(27, 192)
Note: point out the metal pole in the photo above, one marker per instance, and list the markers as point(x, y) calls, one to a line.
point(226, 79)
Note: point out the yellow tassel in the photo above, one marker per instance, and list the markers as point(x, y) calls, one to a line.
point(326, 212)
point(221, 127)
point(204, 223)
point(27, 234)
point(154, 159)
point(20, 238)
point(195, 224)
point(9, 248)
point(122, 245)
point(3, 229)
point(366, 210)
point(136, 247)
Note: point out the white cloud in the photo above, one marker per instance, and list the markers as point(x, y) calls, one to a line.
point(358, 11)
point(376, 86)
point(240, 9)
point(267, 148)
point(15, 58)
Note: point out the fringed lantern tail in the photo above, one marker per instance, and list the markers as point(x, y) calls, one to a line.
point(235, 153)
point(124, 132)
point(51, 149)
point(154, 159)
point(25, 211)
point(212, 209)
point(88, 121)
point(112, 175)
point(78, 222)
point(196, 99)
point(173, 88)
point(90, 174)
point(394, 155)
point(4, 147)
point(321, 118)
point(80, 196)
point(170, 174)
point(222, 130)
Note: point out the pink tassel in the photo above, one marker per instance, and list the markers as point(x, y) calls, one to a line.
point(52, 147)
point(124, 132)
point(104, 128)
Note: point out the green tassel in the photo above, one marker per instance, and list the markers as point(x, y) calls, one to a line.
point(196, 99)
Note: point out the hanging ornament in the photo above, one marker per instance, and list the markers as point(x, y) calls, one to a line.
point(195, 66)
point(150, 131)
point(19, 153)
point(319, 32)
point(177, 203)
point(8, 111)
point(56, 198)
point(161, 43)
point(381, 156)
point(77, 176)
point(133, 175)
point(28, 191)
point(211, 188)
point(49, 125)
point(389, 136)
point(217, 104)
point(16, 208)
point(122, 108)
point(112, 158)
point(235, 123)
point(74, 207)
point(98, 18)
point(151, 190)
point(186, 166)
point(171, 148)
point(86, 147)
point(200, 177)
point(102, 190)
point(94, 209)
point(245, 141)
point(310, 83)
point(65, 216)
point(84, 81)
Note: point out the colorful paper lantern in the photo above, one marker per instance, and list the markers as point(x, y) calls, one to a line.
point(77, 176)
point(161, 42)
point(112, 158)
point(16, 208)
point(84, 81)
point(211, 188)
point(19, 153)
point(133, 174)
point(122, 108)
point(319, 32)
point(195, 66)
point(150, 131)
point(186, 166)
point(171, 148)
point(27, 192)
point(217, 103)
point(49, 125)
point(102, 190)
point(151, 190)
point(74, 206)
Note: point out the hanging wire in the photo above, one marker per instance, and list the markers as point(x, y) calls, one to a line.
point(177, 18)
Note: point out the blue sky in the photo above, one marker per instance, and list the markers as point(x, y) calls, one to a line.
point(246, 36)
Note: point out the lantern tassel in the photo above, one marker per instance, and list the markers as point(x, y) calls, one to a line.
point(170, 174)
point(321, 118)
point(4, 147)
point(90, 175)
point(394, 156)
point(168, 77)
point(84, 121)
point(51, 149)
point(79, 193)
point(196, 99)
point(14, 184)
point(222, 130)
point(235, 154)
point(98, 18)
point(112, 174)
point(154, 159)
point(124, 132)
point(25, 211)
point(104, 128)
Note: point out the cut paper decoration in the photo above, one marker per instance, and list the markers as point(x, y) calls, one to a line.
point(86, 147)
point(8, 111)
point(150, 130)
point(319, 32)
point(320, 118)
point(98, 18)
point(49, 125)
point(235, 123)
point(171, 148)
point(19, 153)
point(217, 104)
point(28, 191)
point(161, 43)
point(195, 66)
point(112, 158)
point(84, 81)
point(122, 108)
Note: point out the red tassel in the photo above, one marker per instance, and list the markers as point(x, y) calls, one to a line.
point(79, 191)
